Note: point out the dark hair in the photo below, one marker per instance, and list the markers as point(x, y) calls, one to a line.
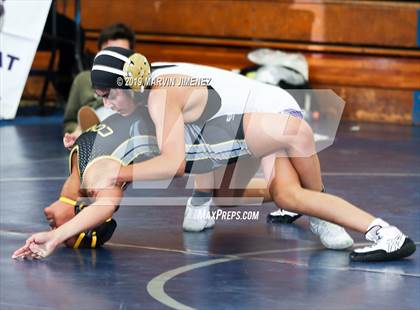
point(1, 14)
point(1, 9)
point(117, 31)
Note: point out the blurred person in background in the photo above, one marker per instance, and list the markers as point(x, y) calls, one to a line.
point(82, 93)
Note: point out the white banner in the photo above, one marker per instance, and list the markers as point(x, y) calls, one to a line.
point(23, 22)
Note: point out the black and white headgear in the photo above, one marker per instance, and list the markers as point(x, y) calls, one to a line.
point(117, 67)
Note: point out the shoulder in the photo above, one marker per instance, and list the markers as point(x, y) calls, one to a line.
point(169, 81)
point(83, 76)
point(83, 79)
point(165, 98)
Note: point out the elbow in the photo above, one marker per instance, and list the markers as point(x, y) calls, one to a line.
point(175, 171)
point(180, 169)
point(109, 207)
point(175, 166)
point(112, 210)
point(108, 210)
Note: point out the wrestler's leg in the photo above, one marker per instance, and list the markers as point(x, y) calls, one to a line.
point(197, 210)
point(257, 187)
point(237, 184)
point(219, 187)
point(224, 186)
point(234, 181)
point(286, 190)
point(268, 133)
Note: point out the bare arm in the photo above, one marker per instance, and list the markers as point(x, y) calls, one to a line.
point(42, 244)
point(165, 108)
point(97, 213)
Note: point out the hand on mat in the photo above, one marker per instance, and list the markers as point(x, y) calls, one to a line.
point(37, 246)
point(69, 139)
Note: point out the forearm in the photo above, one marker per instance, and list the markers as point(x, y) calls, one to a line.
point(157, 168)
point(97, 213)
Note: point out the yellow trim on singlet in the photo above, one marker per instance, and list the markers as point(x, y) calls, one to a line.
point(91, 127)
point(74, 149)
point(94, 238)
point(102, 157)
point(67, 200)
point(79, 240)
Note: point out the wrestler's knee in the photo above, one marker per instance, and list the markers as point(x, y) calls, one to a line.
point(303, 138)
point(286, 196)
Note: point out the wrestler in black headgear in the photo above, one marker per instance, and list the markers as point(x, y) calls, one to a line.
point(117, 67)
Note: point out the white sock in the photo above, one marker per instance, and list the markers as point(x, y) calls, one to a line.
point(377, 222)
point(373, 229)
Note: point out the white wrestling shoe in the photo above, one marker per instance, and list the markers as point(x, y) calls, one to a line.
point(332, 236)
point(197, 218)
point(389, 243)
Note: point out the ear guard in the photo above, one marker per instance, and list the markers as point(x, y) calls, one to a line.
point(95, 237)
point(137, 72)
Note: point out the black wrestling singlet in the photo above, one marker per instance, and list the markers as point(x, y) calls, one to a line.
point(124, 138)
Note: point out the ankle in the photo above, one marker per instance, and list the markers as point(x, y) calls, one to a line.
point(200, 198)
point(377, 222)
point(373, 228)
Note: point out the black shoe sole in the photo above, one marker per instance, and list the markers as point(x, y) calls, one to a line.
point(406, 249)
point(282, 219)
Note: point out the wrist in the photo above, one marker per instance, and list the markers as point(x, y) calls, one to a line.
point(56, 238)
point(61, 234)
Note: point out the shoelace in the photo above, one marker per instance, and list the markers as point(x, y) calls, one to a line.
point(390, 245)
